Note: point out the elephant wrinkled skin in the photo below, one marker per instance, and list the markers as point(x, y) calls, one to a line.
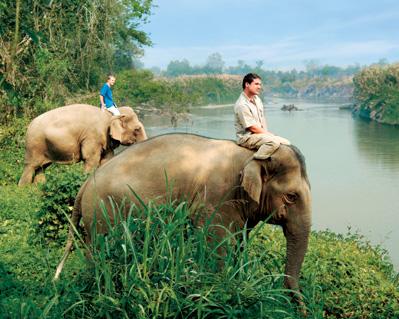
point(73, 133)
point(217, 172)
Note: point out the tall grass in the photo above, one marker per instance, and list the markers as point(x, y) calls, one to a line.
point(156, 264)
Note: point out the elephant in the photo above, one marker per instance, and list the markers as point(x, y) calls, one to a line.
point(226, 177)
point(75, 133)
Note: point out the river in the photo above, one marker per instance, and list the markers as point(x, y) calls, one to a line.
point(353, 164)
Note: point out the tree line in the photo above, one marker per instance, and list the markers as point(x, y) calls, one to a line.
point(51, 49)
point(215, 65)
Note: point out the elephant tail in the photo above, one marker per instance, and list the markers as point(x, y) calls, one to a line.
point(73, 227)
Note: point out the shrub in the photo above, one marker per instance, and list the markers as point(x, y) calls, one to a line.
point(12, 143)
point(58, 197)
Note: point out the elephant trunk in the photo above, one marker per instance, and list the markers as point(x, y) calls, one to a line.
point(297, 236)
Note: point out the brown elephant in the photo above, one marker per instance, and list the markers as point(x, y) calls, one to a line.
point(220, 174)
point(75, 133)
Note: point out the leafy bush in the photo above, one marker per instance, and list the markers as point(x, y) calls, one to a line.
point(12, 143)
point(377, 93)
point(58, 197)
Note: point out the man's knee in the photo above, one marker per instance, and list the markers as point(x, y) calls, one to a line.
point(266, 150)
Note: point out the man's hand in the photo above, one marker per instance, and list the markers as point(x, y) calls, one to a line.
point(258, 130)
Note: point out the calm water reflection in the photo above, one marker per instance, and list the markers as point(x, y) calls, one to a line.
point(353, 164)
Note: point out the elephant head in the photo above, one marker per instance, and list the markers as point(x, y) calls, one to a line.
point(126, 128)
point(280, 191)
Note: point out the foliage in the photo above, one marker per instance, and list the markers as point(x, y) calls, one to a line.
point(12, 142)
point(157, 265)
point(377, 93)
point(316, 81)
point(344, 273)
point(141, 88)
point(51, 49)
point(210, 89)
point(58, 193)
point(215, 65)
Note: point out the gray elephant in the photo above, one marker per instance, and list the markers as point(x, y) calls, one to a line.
point(217, 172)
point(74, 133)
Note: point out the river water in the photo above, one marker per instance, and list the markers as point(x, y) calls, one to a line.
point(353, 165)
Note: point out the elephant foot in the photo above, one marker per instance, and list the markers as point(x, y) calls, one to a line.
point(26, 178)
point(24, 182)
point(39, 179)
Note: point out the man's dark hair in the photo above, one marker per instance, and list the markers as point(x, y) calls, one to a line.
point(249, 79)
point(110, 76)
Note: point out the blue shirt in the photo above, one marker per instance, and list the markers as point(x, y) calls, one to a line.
point(107, 94)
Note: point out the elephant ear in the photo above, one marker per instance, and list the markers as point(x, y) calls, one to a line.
point(117, 127)
point(252, 180)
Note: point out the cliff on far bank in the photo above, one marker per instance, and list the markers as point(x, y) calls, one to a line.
point(376, 94)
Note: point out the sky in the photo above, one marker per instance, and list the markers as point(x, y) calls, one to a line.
point(281, 33)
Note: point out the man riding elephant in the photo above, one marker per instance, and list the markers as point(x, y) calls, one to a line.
point(250, 122)
point(106, 100)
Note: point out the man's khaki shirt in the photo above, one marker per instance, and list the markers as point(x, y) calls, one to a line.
point(248, 114)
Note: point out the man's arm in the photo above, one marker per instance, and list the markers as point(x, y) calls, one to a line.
point(102, 102)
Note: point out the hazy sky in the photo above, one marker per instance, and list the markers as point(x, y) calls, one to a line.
point(282, 33)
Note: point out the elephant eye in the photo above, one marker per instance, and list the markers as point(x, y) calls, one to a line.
point(290, 198)
point(137, 129)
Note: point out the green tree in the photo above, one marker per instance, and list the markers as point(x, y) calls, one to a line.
point(51, 49)
point(214, 64)
point(177, 67)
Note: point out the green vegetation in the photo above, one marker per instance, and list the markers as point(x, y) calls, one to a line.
point(59, 191)
point(215, 89)
point(141, 89)
point(377, 93)
point(52, 49)
point(215, 65)
point(158, 265)
point(349, 277)
point(316, 81)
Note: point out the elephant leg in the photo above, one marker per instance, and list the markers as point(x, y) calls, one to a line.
point(27, 175)
point(40, 178)
point(91, 154)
